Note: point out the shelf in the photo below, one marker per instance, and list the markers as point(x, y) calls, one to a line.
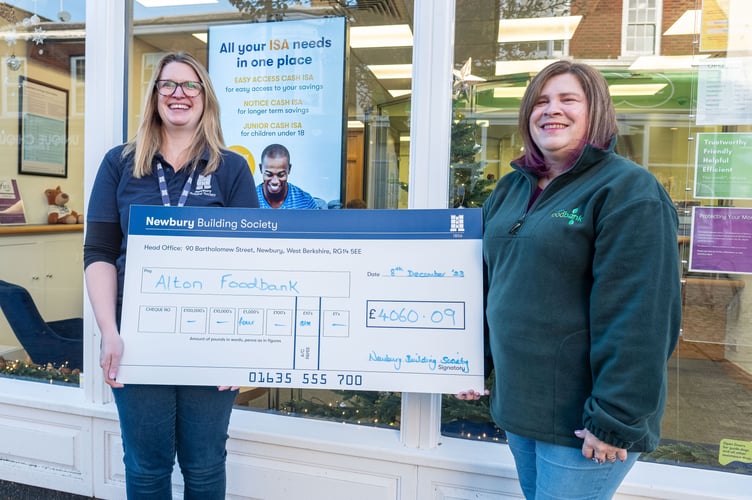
point(23, 229)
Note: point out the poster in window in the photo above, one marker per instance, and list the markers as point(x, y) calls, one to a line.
point(43, 129)
point(721, 240)
point(715, 26)
point(724, 91)
point(11, 204)
point(283, 83)
point(723, 167)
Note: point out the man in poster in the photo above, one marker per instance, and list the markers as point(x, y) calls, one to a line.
point(275, 191)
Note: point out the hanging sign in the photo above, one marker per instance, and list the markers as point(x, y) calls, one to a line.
point(723, 165)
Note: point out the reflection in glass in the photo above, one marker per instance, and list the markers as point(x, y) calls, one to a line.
point(43, 42)
point(710, 373)
point(377, 137)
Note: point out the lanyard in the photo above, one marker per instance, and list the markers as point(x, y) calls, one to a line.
point(163, 187)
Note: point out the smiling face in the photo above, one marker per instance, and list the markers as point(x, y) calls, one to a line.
point(274, 174)
point(179, 110)
point(559, 120)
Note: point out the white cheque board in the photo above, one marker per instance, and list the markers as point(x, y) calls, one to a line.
point(342, 299)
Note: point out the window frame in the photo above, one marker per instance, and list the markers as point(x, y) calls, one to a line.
point(656, 22)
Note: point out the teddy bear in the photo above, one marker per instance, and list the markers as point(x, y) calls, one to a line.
point(57, 211)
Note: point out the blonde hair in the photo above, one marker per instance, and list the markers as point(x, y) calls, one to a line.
point(208, 134)
point(602, 126)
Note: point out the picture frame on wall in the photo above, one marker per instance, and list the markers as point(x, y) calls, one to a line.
point(42, 129)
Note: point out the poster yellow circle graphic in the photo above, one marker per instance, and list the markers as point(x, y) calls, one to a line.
point(243, 151)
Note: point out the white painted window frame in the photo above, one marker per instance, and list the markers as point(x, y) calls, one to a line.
point(626, 4)
point(477, 465)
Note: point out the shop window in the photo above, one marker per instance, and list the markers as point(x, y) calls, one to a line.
point(376, 138)
point(42, 52)
point(710, 373)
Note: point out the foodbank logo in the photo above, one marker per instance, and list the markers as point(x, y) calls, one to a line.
point(572, 217)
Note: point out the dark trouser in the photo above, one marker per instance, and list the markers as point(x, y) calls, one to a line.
point(159, 421)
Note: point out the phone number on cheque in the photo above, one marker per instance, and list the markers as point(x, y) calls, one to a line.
point(305, 378)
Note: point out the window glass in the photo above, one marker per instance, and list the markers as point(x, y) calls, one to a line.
point(706, 422)
point(42, 61)
point(641, 27)
point(378, 76)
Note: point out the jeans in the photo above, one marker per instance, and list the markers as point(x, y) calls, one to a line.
point(159, 421)
point(548, 471)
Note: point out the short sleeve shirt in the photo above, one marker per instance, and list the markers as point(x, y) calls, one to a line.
point(296, 198)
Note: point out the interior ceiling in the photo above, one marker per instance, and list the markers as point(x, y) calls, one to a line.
point(475, 35)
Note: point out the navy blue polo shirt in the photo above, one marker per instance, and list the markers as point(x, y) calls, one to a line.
point(115, 190)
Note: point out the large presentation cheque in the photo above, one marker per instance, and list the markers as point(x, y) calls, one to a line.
point(342, 299)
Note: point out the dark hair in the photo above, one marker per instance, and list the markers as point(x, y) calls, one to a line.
point(602, 126)
point(275, 151)
point(356, 203)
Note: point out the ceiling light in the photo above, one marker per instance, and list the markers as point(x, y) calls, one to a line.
point(355, 124)
point(391, 71)
point(636, 89)
point(398, 92)
point(665, 63)
point(173, 3)
point(515, 67)
point(204, 37)
point(392, 35)
point(615, 90)
point(538, 28)
point(687, 24)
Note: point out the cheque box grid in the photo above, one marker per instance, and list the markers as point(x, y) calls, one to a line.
point(244, 321)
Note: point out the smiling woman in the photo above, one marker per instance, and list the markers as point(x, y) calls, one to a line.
point(655, 101)
point(179, 139)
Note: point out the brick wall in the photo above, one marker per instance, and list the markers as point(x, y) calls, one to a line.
point(599, 33)
point(676, 44)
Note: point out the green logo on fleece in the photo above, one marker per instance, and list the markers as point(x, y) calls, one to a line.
point(572, 216)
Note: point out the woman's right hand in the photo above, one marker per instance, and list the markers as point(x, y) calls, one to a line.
point(471, 395)
point(109, 358)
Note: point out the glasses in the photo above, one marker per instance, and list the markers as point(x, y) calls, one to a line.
point(168, 88)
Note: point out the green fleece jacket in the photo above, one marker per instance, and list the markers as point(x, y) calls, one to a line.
point(583, 304)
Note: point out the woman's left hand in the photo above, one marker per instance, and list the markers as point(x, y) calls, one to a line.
point(598, 451)
point(471, 395)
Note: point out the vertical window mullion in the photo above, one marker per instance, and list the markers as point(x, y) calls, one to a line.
point(433, 59)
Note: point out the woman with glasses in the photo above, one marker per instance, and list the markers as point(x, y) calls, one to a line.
point(177, 158)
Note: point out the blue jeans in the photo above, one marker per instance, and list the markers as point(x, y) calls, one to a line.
point(548, 471)
point(159, 421)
